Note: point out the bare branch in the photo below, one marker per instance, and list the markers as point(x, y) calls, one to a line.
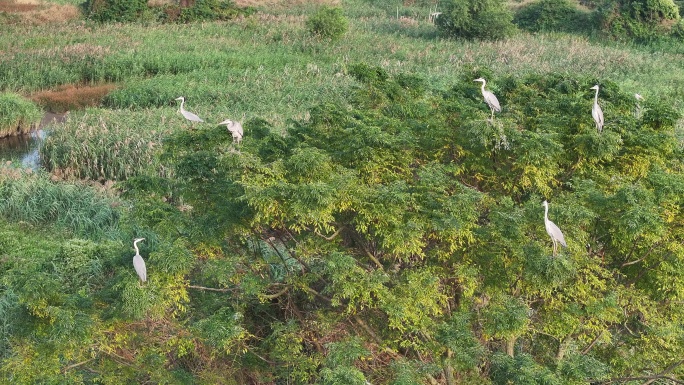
point(653, 378)
point(276, 295)
point(642, 258)
point(222, 290)
point(667, 370)
point(330, 238)
point(72, 366)
point(649, 379)
point(591, 345)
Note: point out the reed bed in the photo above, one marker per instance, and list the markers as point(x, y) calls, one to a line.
point(105, 145)
point(34, 198)
point(17, 115)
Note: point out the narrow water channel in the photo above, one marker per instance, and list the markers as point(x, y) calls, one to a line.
point(24, 148)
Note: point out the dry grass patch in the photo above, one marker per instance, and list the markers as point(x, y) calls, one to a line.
point(71, 97)
point(14, 7)
point(37, 12)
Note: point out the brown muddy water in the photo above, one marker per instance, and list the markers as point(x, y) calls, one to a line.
point(24, 148)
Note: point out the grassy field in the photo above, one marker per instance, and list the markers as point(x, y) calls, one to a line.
point(267, 65)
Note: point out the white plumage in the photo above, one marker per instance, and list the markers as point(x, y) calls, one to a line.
point(553, 230)
point(596, 111)
point(187, 114)
point(235, 129)
point(489, 97)
point(138, 262)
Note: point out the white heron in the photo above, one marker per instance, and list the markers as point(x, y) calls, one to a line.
point(187, 114)
point(489, 97)
point(553, 230)
point(637, 108)
point(235, 129)
point(596, 111)
point(138, 262)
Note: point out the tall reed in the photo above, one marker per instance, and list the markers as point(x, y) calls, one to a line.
point(35, 198)
point(17, 115)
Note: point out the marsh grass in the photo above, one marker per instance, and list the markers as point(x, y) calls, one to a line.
point(17, 115)
point(105, 145)
point(32, 197)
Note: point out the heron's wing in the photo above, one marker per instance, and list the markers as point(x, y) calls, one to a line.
point(492, 101)
point(556, 233)
point(597, 114)
point(140, 268)
point(190, 116)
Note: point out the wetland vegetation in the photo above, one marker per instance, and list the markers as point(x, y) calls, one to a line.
point(374, 225)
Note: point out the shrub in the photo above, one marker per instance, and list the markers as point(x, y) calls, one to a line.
point(551, 15)
point(678, 29)
point(208, 10)
point(642, 20)
point(114, 10)
point(17, 115)
point(475, 19)
point(328, 23)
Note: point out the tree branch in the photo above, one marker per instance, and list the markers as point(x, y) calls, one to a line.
point(642, 258)
point(653, 378)
point(72, 366)
point(276, 295)
point(223, 290)
point(667, 370)
point(591, 345)
point(330, 238)
point(649, 379)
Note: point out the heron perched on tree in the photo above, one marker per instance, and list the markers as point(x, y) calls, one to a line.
point(489, 97)
point(187, 114)
point(138, 262)
point(553, 230)
point(596, 111)
point(235, 129)
point(637, 108)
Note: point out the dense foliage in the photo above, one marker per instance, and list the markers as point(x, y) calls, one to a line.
point(136, 10)
point(475, 19)
point(402, 226)
point(553, 15)
point(328, 22)
point(638, 19)
point(115, 10)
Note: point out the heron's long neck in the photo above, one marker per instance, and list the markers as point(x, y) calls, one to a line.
point(183, 101)
point(135, 245)
point(483, 84)
point(596, 96)
point(546, 212)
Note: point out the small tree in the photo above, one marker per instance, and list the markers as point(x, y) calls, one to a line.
point(638, 19)
point(328, 23)
point(553, 15)
point(475, 19)
point(115, 10)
